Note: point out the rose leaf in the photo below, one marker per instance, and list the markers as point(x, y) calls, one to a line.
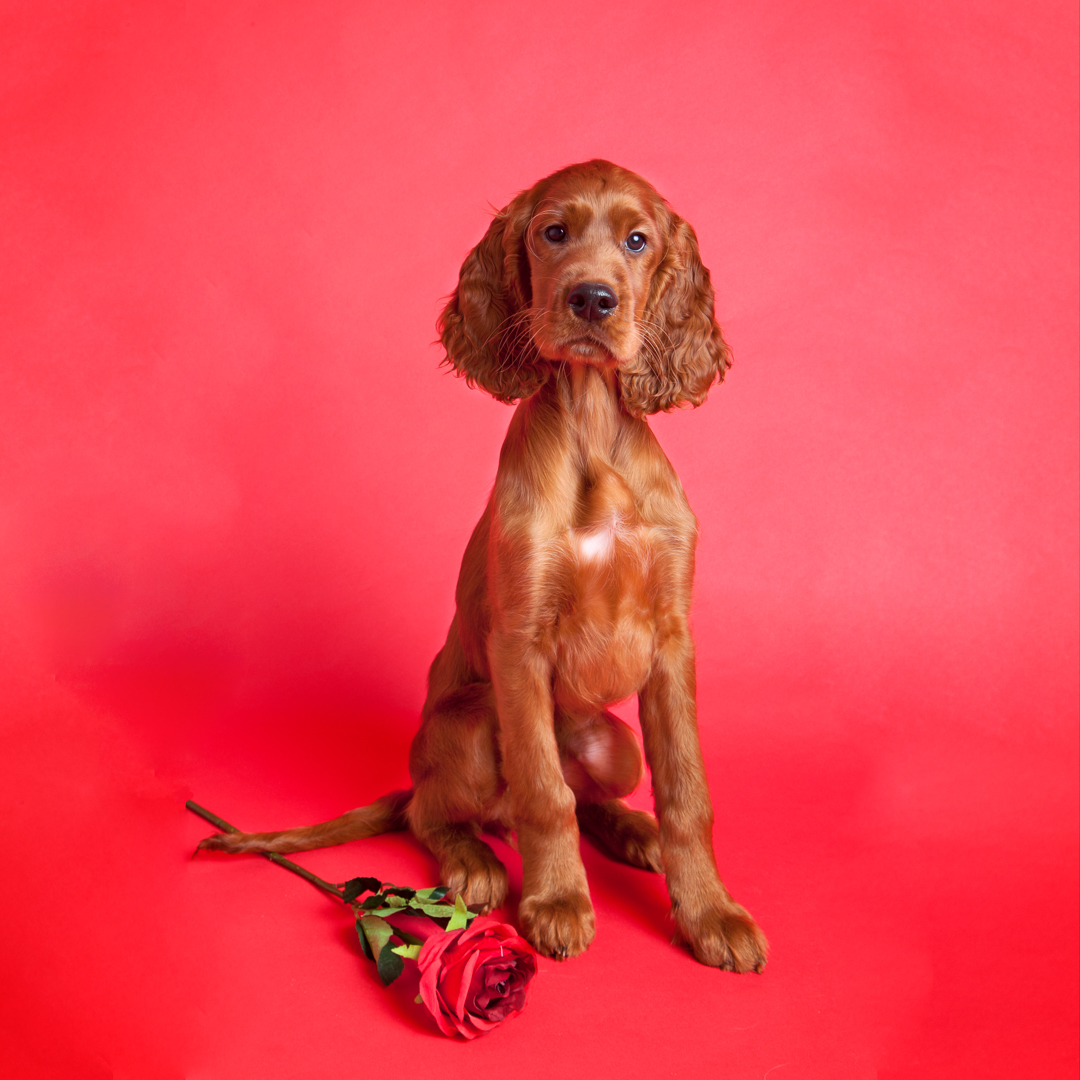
point(460, 919)
point(377, 931)
point(390, 966)
point(363, 940)
point(357, 885)
point(434, 911)
point(436, 893)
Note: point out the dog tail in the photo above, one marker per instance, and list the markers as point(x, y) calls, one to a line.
point(383, 815)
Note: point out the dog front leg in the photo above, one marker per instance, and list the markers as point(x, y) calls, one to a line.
point(556, 912)
point(720, 932)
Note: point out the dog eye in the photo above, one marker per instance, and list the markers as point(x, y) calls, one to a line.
point(555, 233)
point(636, 241)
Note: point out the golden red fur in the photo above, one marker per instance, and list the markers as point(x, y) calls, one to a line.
point(586, 300)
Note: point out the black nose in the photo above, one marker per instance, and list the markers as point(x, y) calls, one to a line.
point(591, 302)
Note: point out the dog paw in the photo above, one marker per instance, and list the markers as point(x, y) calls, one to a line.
point(640, 840)
point(481, 879)
point(629, 836)
point(559, 928)
point(725, 937)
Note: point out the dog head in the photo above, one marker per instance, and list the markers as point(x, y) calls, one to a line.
point(588, 266)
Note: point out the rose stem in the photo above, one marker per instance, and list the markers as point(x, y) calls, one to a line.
point(307, 875)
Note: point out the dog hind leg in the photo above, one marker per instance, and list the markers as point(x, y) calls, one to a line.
point(601, 762)
point(458, 787)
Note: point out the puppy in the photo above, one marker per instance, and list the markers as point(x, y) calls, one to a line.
point(587, 302)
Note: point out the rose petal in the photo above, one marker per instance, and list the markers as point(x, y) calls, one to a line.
point(495, 986)
point(434, 948)
point(462, 1026)
point(445, 1022)
point(453, 980)
point(481, 1024)
point(429, 989)
point(466, 983)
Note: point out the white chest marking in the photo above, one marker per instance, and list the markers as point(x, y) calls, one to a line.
point(596, 544)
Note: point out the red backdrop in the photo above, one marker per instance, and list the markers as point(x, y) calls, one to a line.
point(235, 488)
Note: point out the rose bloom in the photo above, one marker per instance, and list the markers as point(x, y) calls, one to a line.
point(471, 980)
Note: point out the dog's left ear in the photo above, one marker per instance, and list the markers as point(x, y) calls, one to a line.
point(683, 353)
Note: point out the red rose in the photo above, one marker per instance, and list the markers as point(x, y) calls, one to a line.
point(471, 980)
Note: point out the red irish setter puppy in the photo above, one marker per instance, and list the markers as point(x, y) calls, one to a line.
point(587, 302)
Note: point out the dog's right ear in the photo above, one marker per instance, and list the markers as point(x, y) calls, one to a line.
point(484, 326)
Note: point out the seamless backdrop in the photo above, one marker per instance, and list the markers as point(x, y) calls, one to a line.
point(235, 487)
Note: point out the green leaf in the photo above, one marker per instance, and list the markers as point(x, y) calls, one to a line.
point(410, 952)
point(363, 941)
point(399, 890)
point(460, 919)
point(377, 931)
point(395, 901)
point(357, 885)
point(436, 893)
point(378, 900)
point(390, 966)
point(433, 911)
point(384, 911)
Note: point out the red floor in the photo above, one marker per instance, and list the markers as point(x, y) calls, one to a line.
point(235, 489)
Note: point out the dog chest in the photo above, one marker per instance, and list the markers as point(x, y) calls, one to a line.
point(604, 618)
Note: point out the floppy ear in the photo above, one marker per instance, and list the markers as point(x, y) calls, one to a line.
point(484, 326)
point(683, 353)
